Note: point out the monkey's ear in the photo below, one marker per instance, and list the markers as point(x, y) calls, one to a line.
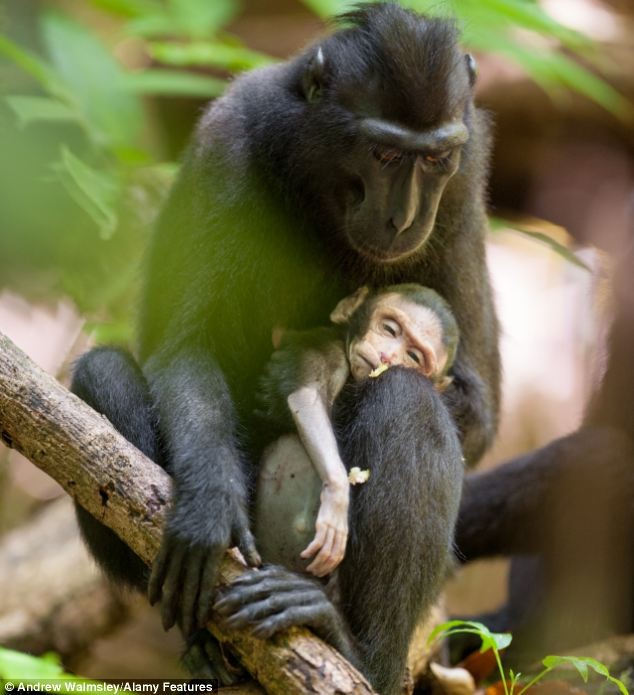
point(472, 68)
point(343, 311)
point(314, 76)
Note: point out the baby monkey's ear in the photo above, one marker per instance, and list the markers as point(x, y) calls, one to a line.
point(443, 383)
point(343, 311)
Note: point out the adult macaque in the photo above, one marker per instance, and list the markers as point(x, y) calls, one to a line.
point(361, 161)
point(303, 484)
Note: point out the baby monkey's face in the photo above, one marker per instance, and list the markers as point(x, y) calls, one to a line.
point(399, 332)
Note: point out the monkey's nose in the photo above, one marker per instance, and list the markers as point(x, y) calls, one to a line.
point(385, 359)
point(400, 224)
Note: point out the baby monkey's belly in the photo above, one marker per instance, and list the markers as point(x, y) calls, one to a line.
point(286, 504)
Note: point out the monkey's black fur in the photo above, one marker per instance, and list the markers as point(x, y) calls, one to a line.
point(565, 514)
point(396, 427)
point(419, 474)
point(285, 204)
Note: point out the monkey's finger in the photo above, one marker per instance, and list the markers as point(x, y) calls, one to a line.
point(207, 585)
point(238, 594)
point(251, 613)
point(294, 615)
point(330, 562)
point(190, 591)
point(319, 564)
point(257, 576)
point(159, 569)
point(311, 549)
point(316, 544)
point(169, 601)
point(246, 545)
point(338, 549)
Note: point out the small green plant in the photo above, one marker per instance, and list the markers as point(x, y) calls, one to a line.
point(17, 666)
point(497, 641)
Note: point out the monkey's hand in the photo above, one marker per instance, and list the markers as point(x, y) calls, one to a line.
point(184, 572)
point(467, 398)
point(331, 531)
point(274, 598)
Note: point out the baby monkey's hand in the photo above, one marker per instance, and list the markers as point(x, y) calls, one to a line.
point(331, 530)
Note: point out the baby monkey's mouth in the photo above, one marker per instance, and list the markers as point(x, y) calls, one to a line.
point(368, 362)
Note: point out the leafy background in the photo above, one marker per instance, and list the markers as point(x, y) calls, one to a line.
point(89, 153)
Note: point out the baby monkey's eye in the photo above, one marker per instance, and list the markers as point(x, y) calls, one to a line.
point(392, 328)
point(415, 356)
point(389, 329)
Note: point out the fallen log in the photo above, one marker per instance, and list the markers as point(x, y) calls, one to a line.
point(130, 494)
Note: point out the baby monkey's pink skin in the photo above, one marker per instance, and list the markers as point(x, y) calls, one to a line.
point(399, 332)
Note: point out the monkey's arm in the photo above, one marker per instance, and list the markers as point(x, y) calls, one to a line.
point(473, 397)
point(209, 512)
point(468, 401)
point(298, 388)
point(314, 356)
point(314, 427)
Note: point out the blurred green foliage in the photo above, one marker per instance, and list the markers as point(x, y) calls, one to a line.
point(84, 139)
point(15, 666)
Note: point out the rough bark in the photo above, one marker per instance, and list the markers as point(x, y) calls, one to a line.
point(129, 493)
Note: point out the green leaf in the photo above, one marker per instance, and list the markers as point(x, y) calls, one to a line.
point(554, 70)
point(127, 8)
point(31, 109)
point(95, 80)
point(490, 640)
point(582, 663)
point(492, 27)
point(114, 333)
point(579, 663)
point(498, 224)
point(500, 640)
point(97, 192)
point(173, 83)
point(35, 67)
point(159, 23)
point(202, 18)
point(18, 666)
point(210, 53)
point(330, 8)
point(520, 13)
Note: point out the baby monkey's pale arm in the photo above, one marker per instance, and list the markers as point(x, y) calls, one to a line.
point(310, 413)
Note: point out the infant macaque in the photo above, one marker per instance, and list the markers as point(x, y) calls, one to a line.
point(303, 483)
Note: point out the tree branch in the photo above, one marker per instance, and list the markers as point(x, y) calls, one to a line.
point(127, 492)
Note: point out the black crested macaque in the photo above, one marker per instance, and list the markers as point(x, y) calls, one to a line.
point(362, 161)
point(564, 513)
point(303, 489)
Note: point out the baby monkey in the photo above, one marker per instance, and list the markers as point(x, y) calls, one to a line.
point(303, 483)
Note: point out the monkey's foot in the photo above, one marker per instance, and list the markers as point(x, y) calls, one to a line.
point(205, 658)
point(274, 598)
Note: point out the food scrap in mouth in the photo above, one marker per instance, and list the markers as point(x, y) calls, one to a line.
point(383, 367)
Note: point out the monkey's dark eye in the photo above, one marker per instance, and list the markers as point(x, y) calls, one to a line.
point(437, 158)
point(387, 156)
